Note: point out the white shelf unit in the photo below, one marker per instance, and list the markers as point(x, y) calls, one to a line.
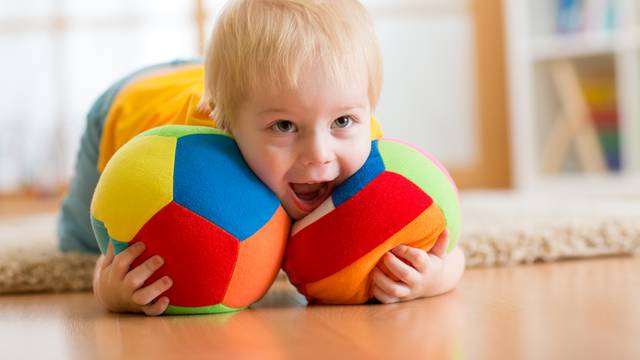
point(533, 44)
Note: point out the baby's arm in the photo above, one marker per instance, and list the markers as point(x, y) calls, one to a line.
point(119, 289)
point(415, 273)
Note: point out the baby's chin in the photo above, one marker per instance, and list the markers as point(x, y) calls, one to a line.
point(295, 214)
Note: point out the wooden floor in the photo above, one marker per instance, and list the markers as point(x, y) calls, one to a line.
point(585, 309)
point(12, 206)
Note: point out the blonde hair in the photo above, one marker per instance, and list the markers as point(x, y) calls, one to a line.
point(271, 41)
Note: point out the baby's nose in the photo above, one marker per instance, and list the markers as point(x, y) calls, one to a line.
point(317, 162)
point(317, 152)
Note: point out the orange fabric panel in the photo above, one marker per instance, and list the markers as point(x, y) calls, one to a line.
point(258, 262)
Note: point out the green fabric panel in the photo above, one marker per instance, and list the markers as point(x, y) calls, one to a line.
point(213, 309)
point(413, 165)
point(179, 131)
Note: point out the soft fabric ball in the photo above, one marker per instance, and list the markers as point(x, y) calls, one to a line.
point(401, 195)
point(186, 192)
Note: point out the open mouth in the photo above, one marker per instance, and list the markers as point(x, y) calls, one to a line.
point(308, 196)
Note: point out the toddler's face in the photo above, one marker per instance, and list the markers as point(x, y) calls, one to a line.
point(302, 143)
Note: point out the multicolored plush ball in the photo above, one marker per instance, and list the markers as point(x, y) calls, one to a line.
point(186, 192)
point(401, 195)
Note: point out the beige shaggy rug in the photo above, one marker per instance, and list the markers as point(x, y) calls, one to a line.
point(499, 228)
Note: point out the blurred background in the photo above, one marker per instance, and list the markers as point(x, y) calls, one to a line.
point(510, 94)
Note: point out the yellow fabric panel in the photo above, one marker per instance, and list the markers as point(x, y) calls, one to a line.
point(352, 284)
point(138, 183)
point(162, 97)
point(376, 129)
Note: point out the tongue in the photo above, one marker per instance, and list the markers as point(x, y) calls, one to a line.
point(306, 189)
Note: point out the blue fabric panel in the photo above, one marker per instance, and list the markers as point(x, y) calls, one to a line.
point(212, 179)
point(119, 246)
point(102, 236)
point(371, 168)
point(74, 223)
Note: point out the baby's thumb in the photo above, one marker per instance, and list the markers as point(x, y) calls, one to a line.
point(108, 257)
point(439, 249)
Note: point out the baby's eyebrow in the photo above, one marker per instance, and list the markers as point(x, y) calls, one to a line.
point(342, 109)
point(349, 108)
point(272, 110)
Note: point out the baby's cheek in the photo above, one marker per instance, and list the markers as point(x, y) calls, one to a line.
point(267, 173)
point(355, 161)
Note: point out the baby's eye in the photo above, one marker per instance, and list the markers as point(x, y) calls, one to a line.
point(342, 122)
point(284, 126)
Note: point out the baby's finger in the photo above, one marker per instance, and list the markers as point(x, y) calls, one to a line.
point(136, 277)
point(123, 260)
point(390, 287)
point(406, 273)
point(146, 295)
point(382, 296)
point(440, 247)
point(108, 257)
point(157, 308)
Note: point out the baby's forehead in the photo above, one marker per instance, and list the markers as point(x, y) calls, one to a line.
point(285, 84)
point(311, 84)
point(309, 99)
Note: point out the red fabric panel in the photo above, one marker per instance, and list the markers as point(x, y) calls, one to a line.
point(198, 255)
point(379, 210)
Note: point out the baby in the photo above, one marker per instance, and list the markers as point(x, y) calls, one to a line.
point(295, 82)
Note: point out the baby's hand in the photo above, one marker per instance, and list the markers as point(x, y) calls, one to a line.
point(412, 273)
point(120, 289)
